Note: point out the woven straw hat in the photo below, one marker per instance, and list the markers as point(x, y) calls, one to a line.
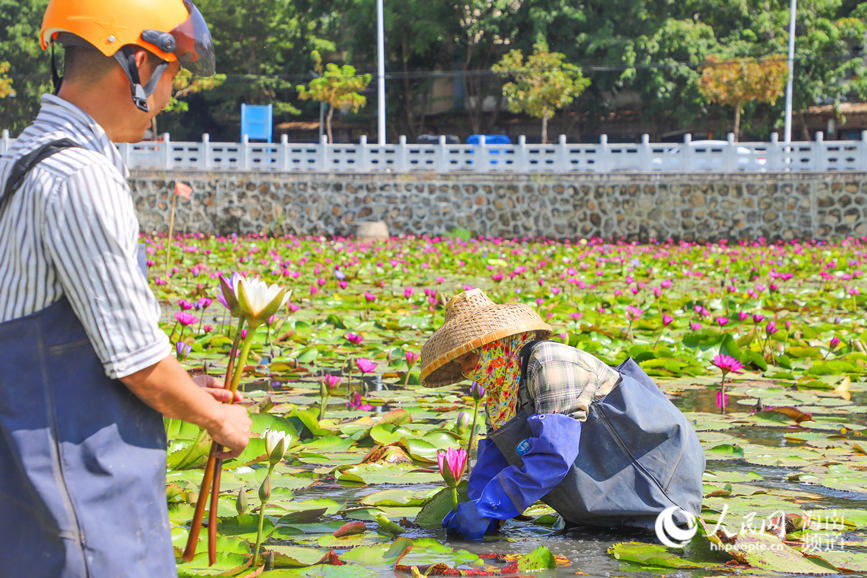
point(473, 320)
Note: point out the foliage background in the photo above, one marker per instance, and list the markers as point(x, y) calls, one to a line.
point(640, 55)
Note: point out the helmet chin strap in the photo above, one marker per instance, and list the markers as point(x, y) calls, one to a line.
point(126, 58)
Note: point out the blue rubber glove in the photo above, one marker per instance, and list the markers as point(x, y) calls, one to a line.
point(489, 463)
point(547, 456)
point(468, 522)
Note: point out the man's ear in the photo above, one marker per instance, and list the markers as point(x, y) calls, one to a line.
point(141, 57)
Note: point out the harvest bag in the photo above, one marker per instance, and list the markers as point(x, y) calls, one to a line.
point(638, 455)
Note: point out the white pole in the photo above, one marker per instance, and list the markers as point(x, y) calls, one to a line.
point(380, 72)
point(791, 61)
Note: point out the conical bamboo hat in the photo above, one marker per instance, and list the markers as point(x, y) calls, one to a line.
point(473, 320)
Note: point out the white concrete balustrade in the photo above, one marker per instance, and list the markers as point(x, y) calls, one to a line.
point(560, 157)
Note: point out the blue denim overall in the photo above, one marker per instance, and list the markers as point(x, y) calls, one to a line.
point(638, 456)
point(82, 460)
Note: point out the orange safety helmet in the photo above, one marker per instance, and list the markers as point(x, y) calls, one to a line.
point(173, 30)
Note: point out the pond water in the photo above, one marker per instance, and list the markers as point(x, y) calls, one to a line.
point(587, 548)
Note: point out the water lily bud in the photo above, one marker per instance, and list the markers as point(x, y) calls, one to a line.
point(228, 295)
point(477, 391)
point(265, 490)
point(411, 358)
point(463, 423)
point(241, 500)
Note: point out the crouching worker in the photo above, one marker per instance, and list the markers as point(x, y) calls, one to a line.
point(602, 446)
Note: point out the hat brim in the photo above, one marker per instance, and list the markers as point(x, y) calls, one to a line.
point(472, 331)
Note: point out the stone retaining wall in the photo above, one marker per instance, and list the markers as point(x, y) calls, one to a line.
point(691, 207)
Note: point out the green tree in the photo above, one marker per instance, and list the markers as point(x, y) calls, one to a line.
point(262, 48)
point(336, 86)
point(736, 81)
point(830, 44)
point(542, 85)
point(417, 41)
point(29, 65)
point(5, 82)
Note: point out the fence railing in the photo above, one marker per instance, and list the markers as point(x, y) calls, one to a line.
point(560, 157)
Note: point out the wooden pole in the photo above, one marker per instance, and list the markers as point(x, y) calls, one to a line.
point(171, 232)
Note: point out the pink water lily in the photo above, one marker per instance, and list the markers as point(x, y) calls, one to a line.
point(728, 364)
point(452, 463)
point(365, 365)
point(332, 381)
point(185, 318)
point(667, 319)
point(411, 358)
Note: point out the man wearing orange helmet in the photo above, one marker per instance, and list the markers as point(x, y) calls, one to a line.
point(86, 375)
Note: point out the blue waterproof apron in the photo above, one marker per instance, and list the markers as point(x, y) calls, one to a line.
point(82, 460)
point(638, 455)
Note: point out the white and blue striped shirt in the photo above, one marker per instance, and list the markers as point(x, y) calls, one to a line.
point(71, 230)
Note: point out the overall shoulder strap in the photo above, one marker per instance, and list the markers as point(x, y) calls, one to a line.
point(524, 399)
point(524, 356)
point(23, 165)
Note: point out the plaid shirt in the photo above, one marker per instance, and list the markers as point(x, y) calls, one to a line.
point(563, 379)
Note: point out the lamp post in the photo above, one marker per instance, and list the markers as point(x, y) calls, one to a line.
point(791, 62)
point(380, 72)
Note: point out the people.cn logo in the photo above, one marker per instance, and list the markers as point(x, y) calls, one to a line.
point(668, 531)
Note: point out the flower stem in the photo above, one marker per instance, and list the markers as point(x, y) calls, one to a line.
point(233, 352)
point(212, 513)
point(261, 521)
point(473, 429)
point(323, 400)
point(209, 479)
point(242, 360)
point(196, 524)
point(455, 496)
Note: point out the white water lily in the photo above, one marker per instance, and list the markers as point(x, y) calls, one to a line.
point(258, 301)
point(276, 444)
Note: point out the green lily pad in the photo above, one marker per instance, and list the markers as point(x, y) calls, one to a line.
point(378, 473)
point(295, 556)
point(385, 555)
point(429, 551)
point(651, 556)
point(401, 497)
point(225, 563)
point(323, 571)
point(440, 504)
